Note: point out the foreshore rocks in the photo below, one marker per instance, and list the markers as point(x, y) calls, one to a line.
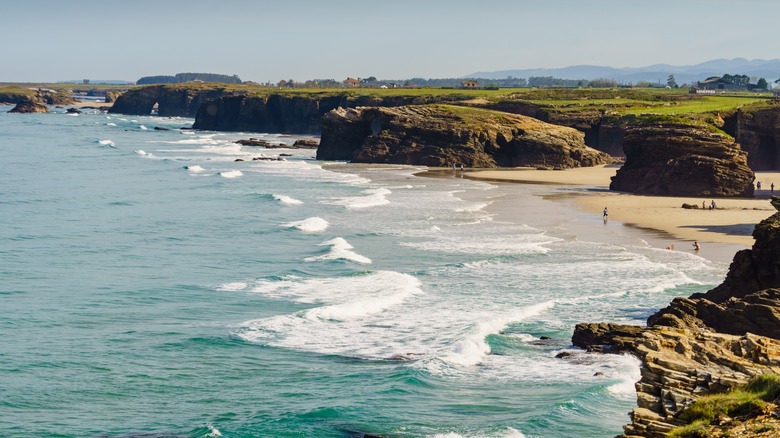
point(677, 159)
point(446, 135)
point(705, 343)
point(28, 106)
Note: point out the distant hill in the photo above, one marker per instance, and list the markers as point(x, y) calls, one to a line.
point(759, 68)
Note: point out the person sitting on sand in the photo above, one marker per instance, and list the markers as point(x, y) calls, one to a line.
point(696, 246)
point(670, 247)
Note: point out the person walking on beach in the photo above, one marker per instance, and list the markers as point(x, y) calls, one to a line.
point(772, 188)
point(758, 185)
point(605, 215)
point(712, 205)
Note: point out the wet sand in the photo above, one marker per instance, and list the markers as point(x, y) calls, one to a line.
point(720, 232)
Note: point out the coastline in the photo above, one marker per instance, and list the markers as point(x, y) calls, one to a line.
point(721, 232)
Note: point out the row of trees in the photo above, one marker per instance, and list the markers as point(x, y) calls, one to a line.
point(189, 77)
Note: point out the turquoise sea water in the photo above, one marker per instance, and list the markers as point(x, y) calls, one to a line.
point(152, 286)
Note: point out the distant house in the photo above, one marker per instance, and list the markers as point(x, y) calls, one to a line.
point(469, 84)
point(351, 82)
point(718, 83)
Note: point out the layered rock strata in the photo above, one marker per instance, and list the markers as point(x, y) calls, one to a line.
point(675, 159)
point(445, 135)
point(706, 343)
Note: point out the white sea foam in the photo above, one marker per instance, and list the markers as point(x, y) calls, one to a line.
point(340, 249)
point(110, 124)
point(142, 127)
point(372, 198)
point(474, 348)
point(473, 207)
point(230, 174)
point(510, 432)
point(526, 242)
point(352, 314)
point(630, 375)
point(143, 153)
point(309, 225)
point(195, 168)
point(284, 199)
point(232, 287)
point(107, 143)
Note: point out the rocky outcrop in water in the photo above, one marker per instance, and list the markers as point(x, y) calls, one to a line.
point(676, 159)
point(27, 106)
point(443, 135)
point(705, 343)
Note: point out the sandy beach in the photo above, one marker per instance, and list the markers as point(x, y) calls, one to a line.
point(730, 223)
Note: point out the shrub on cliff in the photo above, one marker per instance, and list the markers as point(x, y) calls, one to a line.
point(746, 402)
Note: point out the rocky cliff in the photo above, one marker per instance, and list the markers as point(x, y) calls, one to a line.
point(171, 100)
point(706, 343)
point(757, 129)
point(670, 158)
point(292, 113)
point(443, 135)
point(244, 109)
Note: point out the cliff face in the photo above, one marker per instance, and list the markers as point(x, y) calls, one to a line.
point(601, 133)
point(220, 109)
point(138, 101)
point(443, 135)
point(758, 132)
point(705, 343)
point(300, 114)
point(672, 159)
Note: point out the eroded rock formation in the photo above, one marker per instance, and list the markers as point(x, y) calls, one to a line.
point(757, 129)
point(705, 343)
point(28, 106)
point(444, 135)
point(676, 159)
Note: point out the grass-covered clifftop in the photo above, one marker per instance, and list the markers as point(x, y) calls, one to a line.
point(744, 411)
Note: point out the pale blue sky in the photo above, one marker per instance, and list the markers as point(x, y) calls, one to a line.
point(53, 40)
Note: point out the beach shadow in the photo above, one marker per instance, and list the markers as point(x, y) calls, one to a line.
point(733, 229)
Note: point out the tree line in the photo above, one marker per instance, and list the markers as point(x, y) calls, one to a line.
point(188, 77)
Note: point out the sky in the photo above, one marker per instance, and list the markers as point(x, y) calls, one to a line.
point(267, 41)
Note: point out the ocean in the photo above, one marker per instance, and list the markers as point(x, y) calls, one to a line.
point(152, 286)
